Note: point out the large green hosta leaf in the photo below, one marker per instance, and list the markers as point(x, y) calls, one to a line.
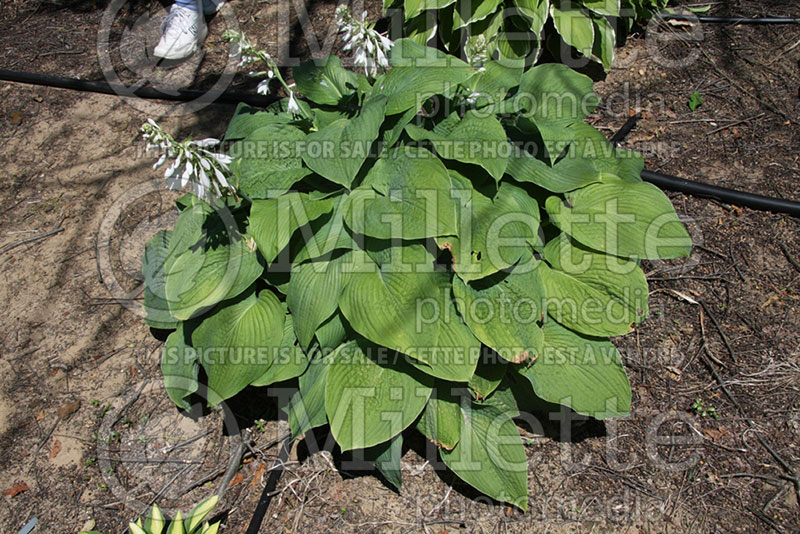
point(274, 220)
point(493, 233)
point(590, 292)
point(568, 174)
point(583, 373)
point(574, 25)
point(155, 303)
point(238, 342)
point(314, 291)
point(306, 408)
point(476, 139)
point(608, 8)
point(417, 73)
point(407, 194)
point(179, 368)
point(489, 455)
point(338, 151)
point(327, 84)
point(631, 220)
point(396, 299)
point(441, 420)
point(504, 311)
point(268, 161)
point(412, 8)
point(372, 397)
point(467, 13)
point(387, 457)
point(209, 273)
point(290, 360)
point(325, 235)
point(247, 119)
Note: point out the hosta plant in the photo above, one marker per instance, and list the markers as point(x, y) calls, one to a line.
point(521, 29)
point(433, 250)
point(155, 522)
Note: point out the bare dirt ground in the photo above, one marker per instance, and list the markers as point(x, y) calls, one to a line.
point(88, 434)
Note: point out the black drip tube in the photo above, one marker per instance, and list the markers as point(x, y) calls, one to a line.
point(689, 187)
point(153, 93)
point(730, 20)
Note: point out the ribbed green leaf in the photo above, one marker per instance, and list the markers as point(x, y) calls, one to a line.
point(372, 397)
point(268, 161)
point(407, 194)
point(326, 234)
point(504, 311)
point(397, 300)
point(476, 139)
point(155, 304)
point(490, 456)
point(306, 408)
point(179, 368)
point(568, 174)
point(412, 8)
point(631, 220)
point(201, 277)
point(417, 73)
point(575, 27)
point(583, 373)
point(290, 360)
point(313, 293)
point(590, 292)
point(274, 220)
point(247, 119)
point(238, 342)
point(493, 234)
point(557, 93)
point(324, 84)
point(387, 457)
point(608, 8)
point(467, 13)
point(338, 151)
point(441, 420)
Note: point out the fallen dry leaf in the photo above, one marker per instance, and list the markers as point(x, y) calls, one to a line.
point(18, 487)
point(56, 449)
point(237, 479)
point(68, 409)
point(256, 482)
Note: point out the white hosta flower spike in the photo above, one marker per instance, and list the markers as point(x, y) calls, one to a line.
point(194, 165)
point(370, 48)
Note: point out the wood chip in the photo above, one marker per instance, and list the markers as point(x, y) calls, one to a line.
point(18, 487)
point(56, 449)
point(68, 409)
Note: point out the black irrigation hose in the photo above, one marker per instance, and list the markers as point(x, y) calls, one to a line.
point(689, 187)
point(731, 20)
point(154, 93)
point(269, 490)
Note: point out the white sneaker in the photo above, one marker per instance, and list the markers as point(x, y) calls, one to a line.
point(182, 32)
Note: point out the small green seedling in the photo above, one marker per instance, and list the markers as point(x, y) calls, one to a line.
point(695, 101)
point(704, 410)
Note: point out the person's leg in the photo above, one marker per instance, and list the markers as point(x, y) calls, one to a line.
point(212, 6)
point(182, 31)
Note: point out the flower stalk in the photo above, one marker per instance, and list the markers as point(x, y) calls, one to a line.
point(370, 48)
point(249, 56)
point(193, 165)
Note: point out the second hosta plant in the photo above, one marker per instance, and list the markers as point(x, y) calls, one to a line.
point(521, 29)
point(433, 250)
